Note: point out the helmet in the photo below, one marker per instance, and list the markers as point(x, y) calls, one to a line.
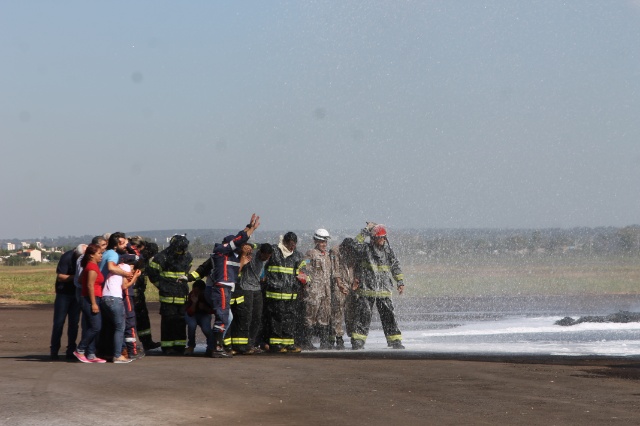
point(379, 231)
point(179, 242)
point(321, 234)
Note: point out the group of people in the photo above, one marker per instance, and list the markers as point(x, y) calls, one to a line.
point(246, 298)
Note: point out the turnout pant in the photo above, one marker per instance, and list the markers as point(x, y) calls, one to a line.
point(282, 314)
point(142, 319)
point(173, 329)
point(363, 309)
point(246, 307)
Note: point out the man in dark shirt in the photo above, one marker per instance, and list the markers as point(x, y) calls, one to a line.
point(66, 304)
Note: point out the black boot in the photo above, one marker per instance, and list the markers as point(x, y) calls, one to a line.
point(307, 345)
point(339, 343)
point(326, 338)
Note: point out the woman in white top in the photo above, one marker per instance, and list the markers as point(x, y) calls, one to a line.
point(113, 308)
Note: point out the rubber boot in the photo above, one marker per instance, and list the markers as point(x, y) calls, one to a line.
point(339, 343)
point(307, 345)
point(326, 338)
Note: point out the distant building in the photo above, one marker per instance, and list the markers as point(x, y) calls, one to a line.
point(39, 245)
point(24, 245)
point(9, 246)
point(33, 255)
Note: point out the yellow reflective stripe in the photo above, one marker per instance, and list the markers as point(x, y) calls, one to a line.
point(360, 238)
point(180, 343)
point(357, 336)
point(281, 296)
point(154, 265)
point(144, 332)
point(373, 293)
point(237, 300)
point(169, 274)
point(399, 277)
point(395, 337)
point(167, 344)
point(195, 275)
point(280, 269)
point(275, 341)
point(288, 342)
point(240, 340)
point(302, 264)
point(174, 300)
point(375, 268)
point(227, 341)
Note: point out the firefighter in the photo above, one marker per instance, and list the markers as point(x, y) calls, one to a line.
point(140, 305)
point(167, 271)
point(376, 269)
point(342, 260)
point(284, 277)
point(226, 266)
point(317, 293)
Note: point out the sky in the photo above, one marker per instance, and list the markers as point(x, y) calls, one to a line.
point(152, 115)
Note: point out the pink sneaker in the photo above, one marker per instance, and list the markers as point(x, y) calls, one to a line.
point(80, 357)
point(97, 360)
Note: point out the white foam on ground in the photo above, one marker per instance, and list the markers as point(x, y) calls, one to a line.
point(536, 336)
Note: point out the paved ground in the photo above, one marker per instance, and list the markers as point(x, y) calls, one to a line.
point(394, 387)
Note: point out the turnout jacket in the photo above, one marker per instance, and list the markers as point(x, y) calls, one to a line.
point(376, 269)
point(281, 274)
point(225, 260)
point(164, 270)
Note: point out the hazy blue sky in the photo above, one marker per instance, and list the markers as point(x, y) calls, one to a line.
point(461, 114)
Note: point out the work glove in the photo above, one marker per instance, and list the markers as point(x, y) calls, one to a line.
point(183, 278)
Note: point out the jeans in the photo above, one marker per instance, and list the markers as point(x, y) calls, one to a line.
point(198, 319)
point(65, 305)
point(113, 309)
point(91, 326)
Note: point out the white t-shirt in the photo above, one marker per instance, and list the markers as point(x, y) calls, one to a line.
point(113, 283)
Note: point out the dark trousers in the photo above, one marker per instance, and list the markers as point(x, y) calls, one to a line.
point(65, 305)
point(363, 309)
point(173, 328)
point(130, 333)
point(247, 319)
point(281, 317)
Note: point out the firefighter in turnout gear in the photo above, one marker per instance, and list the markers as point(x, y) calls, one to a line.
point(284, 278)
point(376, 269)
point(317, 293)
point(226, 267)
point(167, 271)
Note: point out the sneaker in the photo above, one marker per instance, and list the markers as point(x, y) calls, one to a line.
point(122, 360)
point(80, 357)
point(188, 352)
point(397, 345)
point(221, 354)
point(97, 360)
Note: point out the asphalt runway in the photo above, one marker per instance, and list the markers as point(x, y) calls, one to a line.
point(315, 388)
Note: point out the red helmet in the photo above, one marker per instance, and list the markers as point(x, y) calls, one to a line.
point(379, 231)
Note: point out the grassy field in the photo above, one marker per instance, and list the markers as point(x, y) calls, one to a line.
point(448, 277)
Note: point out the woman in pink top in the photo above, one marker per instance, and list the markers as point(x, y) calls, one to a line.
point(92, 281)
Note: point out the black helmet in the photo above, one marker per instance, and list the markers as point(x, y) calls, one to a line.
point(179, 243)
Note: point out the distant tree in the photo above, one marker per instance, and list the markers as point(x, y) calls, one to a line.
point(16, 261)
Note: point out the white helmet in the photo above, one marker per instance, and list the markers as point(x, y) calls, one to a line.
point(321, 234)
